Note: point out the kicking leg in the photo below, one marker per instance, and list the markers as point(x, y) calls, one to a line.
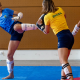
point(20, 28)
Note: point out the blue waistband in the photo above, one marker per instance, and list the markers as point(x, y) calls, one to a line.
point(63, 32)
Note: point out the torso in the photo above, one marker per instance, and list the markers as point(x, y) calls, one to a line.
point(56, 20)
point(5, 19)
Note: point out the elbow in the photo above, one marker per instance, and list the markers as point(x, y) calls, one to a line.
point(46, 32)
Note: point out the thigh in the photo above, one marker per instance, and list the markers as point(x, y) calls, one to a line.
point(68, 53)
point(15, 36)
point(13, 45)
point(72, 42)
point(63, 41)
point(17, 26)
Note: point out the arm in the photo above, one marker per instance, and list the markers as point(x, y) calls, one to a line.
point(18, 16)
point(47, 24)
point(46, 30)
point(76, 29)
point(15, 13)
point(40, 23)
point(65, 15)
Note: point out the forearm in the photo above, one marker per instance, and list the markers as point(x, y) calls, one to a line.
point(75, 30)
point(18, 17)
point(40, 23)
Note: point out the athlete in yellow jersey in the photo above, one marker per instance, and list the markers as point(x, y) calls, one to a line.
point(56, 20)
point(54, 17)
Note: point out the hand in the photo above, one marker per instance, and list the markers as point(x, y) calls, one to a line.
point(15, 18)
point(39, 22)
point(44, 31)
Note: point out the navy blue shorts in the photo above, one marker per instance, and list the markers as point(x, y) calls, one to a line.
point(14, 34)
point(65, 39)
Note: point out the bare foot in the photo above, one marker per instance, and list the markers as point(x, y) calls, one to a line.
point(11, 76)
point(8, 77)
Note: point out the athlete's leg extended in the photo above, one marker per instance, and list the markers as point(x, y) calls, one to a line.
point(20, 28)
point(10, 61)
point(63, 55)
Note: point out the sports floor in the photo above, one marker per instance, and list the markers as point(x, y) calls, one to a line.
point(39, 70)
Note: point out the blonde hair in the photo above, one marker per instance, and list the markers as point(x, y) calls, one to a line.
point(0, 4)
point(48, 6)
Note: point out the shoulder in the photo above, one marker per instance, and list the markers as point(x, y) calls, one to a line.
point(60, 8)
point(6, 9)
point(47, 16)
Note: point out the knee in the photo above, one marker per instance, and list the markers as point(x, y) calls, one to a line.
point(17, 27)
point(63, 61)
point(10, 56)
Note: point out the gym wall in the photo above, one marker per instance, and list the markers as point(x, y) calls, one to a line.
point(36, 40)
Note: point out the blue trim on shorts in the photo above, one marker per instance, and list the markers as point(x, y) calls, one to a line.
point(14, 34)
point(65, 39)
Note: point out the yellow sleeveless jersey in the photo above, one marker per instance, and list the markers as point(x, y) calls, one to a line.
point(56, 20)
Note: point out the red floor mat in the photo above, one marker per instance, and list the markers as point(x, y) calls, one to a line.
point(76, 79)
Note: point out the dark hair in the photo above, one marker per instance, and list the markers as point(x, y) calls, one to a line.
point(0, 4)
point(48, 6)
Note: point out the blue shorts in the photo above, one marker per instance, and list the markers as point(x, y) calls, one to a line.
point(14, 34)
point(65, 39)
